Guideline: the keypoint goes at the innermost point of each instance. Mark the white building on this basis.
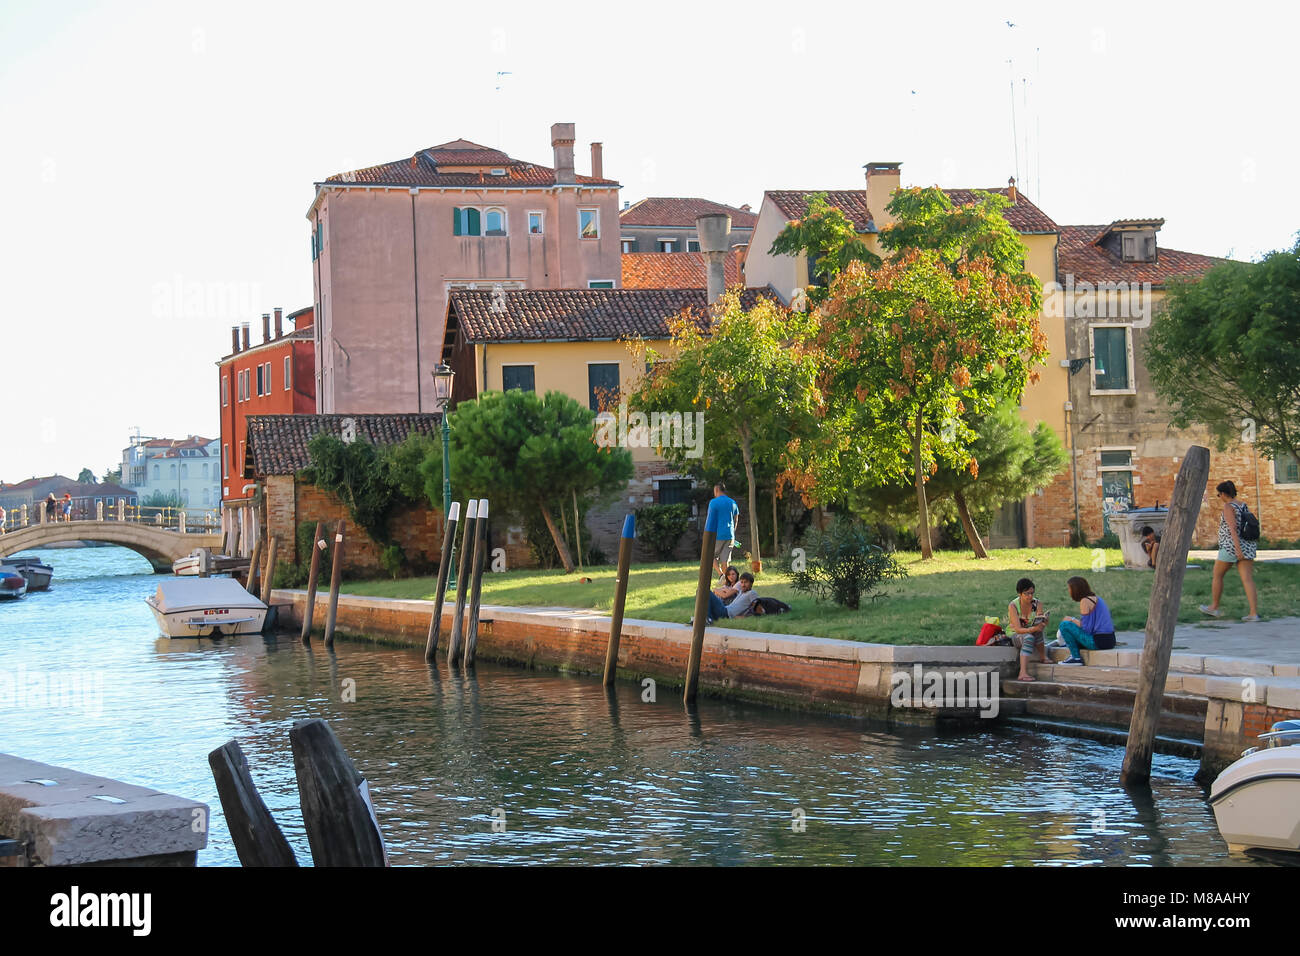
(187, 469)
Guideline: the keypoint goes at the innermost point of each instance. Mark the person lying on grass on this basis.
(1026, 617)
(1094, 630)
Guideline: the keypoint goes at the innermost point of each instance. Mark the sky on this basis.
(160, 157)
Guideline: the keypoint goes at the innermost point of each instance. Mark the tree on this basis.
(162, 499)
(1224, 352)
(753, 375)
(945, 327)
(527, 454)
(827, 237)
(113, 475)
(86, 477)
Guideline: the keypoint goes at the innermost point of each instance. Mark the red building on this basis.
(275, 377)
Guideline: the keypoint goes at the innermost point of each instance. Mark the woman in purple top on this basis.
(1093, 630)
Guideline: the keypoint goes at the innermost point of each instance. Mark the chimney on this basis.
(562, 138)
(234, 339)
(627, 203)
(598, 160)
(1011, 190)
(713, 230)
(279, 322)
(266, 327)
(882, 180)
(245, 336)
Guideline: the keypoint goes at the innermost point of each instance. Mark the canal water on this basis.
(515, 766)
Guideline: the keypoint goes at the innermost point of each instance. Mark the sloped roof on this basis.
(682, 211)
(1023, 215)
(1078, 255)
(579, 315)
(677, 270)
(425, 169)
(277, 444)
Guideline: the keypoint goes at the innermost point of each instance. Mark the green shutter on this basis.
(455, 221)
(471, 222)
(1110, 357)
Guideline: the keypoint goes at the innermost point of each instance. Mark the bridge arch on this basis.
(158, 546)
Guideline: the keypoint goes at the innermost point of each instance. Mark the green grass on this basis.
(942, 601)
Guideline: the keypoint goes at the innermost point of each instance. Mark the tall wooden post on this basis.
(268, 575)
(620, 598)
(577, 530)
(309, 609)
(336, 577)
(712, 525)
(462, 582)
(234, 538)
(1162, 614)
(254, 566)
(257, 837)
(476, 595)
(444, 572)
(336, 812)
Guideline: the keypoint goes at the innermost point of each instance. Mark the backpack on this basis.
(772, 605)
(1247, 525)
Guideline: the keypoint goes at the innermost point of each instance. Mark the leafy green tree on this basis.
(113, 475)
(527, 455)
(162, 499)
(945, 327)
(86, 477)
(753, 375)
(1224, 352)
(372, 481)
(827, 237)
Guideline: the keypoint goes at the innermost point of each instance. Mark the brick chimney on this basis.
(245, 336)
(234, 339)
(882, 180)
(266, 327)
(1012, 194)
(597, 160)
(279, 322)
(714, 230)
(562, 139)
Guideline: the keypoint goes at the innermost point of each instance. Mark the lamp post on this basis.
(443, 376)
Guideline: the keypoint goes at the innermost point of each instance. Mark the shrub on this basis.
(393, 558)
(294, 575)
(661, 527)
(844, 564)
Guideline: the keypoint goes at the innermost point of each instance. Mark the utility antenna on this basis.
(1038, 131)
(1015, 139)
(501, 135)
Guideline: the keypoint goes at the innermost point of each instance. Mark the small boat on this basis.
(191, 565)
(37, 573)
(1256, 800)
(12, 584)
(206, 607)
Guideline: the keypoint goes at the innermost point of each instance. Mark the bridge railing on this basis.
(166, 518)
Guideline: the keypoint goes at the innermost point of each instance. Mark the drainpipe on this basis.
(415, 268)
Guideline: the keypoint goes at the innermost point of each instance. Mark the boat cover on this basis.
(187, 594)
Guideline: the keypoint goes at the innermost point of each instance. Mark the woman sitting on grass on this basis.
(1094, 630)
(728, 585)
(1026, 618)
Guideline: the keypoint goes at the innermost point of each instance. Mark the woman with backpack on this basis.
(1233, 549)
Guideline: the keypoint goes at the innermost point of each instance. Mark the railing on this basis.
(163, 518)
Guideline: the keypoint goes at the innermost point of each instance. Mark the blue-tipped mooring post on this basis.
(620, 598)
(712, 523)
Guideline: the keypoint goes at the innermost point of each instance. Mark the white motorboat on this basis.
(206, 607)
(191, 565)
(1256, 800)
(37, 573)
(12, 584)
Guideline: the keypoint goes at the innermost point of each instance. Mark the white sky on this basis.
(156, 147)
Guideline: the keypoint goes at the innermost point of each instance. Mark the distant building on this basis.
(276, 376)
(678, 270)
(85, 497)
(186, 468)
(390, 242)
(667, 224)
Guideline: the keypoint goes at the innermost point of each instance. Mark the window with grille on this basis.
(675, 491)
(518, 376)
(1286, 470)
(1110, 358)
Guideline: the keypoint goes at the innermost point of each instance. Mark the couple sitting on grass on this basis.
(1093, 629)
(734, 596)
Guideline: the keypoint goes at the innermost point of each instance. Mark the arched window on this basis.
(496, 222)
(185, 496)
(205, 467)
(171, 472)
(185, 470)
(155, 472)
(207, 499)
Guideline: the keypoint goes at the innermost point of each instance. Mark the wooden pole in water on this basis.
(712, 523)
(250, 582)
(309, 609)
(234, 538)
(268, 575)
(454, 649)
(257, 837)
(620, 598)
(480, 549)
(336, 813)
(336, 577)
(1162, 614)
(444, 572)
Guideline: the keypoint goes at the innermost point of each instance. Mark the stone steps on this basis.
(1164, 744)
(1182, 716)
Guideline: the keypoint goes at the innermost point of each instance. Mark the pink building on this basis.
(390, 242)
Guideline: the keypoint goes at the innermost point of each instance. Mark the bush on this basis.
(1108, 540)
(661, 527)
(294, 575)
(393, 559)
(843, 563)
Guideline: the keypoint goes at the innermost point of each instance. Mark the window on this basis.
(602, 384)
(286, 373)
(692, 245)
(205, 469)
(207, 496)
(1116, 459)
(522, 377)
(1111, 363)
(535, 224)
(629, 245)
(225, 390)
(185, 496)
(1286, 470)
(465, 222)
(675, 491)
(185, 470)
(156, 475)
(667, 245)
(268, 378)
(496, 223)
(225, 461)
(600, 283)
(589, 223)
(259, 380)
(171, 472)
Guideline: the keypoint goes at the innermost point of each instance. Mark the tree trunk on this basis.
(747, 454)
(565, 558)
(972, 533)
(776, 527)
(922, 511)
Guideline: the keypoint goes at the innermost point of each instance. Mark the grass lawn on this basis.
(942, 601)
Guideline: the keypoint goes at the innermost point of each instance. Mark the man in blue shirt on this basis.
(727, 532)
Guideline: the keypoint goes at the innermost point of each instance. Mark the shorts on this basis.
(1229, 556)
(722, 553)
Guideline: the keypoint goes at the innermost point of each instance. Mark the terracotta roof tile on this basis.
(277, 444)
(424, 169)
(1080, 257)
(1024, 216)
(677, 270)
(579, 315)
(678, 211)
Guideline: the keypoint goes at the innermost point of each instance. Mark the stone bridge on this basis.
(158, 545)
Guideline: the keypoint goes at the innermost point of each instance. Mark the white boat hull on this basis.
(209, 622)
(1256, 801)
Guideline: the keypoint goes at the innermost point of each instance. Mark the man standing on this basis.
(727, 532)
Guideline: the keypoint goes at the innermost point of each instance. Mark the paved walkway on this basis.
(1276, 641)
(1284, 557)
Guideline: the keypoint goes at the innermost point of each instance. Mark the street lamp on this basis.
(443, 376)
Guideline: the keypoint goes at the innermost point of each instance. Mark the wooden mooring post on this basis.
(476, 595)
(336, 578)
(250, 581)
(309, 609)
(336, 813)
(1162, 614)
(454, 649)
(444, 572)
(712, 523)
(620, 598)
(257, 837)
(268, 574)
